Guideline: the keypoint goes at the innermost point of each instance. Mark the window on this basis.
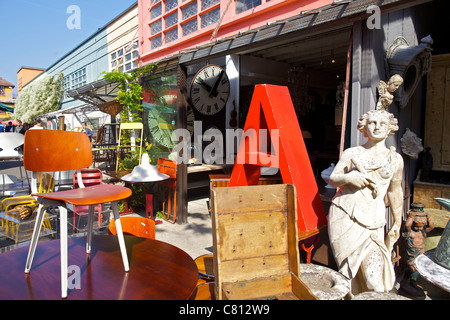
(244, 5)
(156, 11)
(75, 80)
(209, 3)
(189, 27)
(156, 27)
(126, 56)
(189, 10)
(156, 42)
(170, 4)
(210, 17)
(172, 19)
(171, 35)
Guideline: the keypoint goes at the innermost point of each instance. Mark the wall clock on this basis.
(210, 89)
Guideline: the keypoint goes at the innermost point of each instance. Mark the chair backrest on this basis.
(89, 177)
(135, 226)
(54, 150)
(130, 126)
(8, 142)
(167, 166)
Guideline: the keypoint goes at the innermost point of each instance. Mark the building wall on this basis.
(25, 75)
(178, 25)
(82, 65)
(122, 39)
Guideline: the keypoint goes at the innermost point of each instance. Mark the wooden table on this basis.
(158, 271)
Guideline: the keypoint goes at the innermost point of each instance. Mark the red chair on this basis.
(54, 150)
(90, 177)
(168, 167)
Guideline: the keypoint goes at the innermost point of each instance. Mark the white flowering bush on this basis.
(42, 96)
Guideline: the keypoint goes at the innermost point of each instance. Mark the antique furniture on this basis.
(52, 150)
(255, 243)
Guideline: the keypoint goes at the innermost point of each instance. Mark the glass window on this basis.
(160, 113)
(172, 19)
(210, 17)
(243, 5)
(156, 27)
(208, 3)
(189, 10)
(155, 12)
(189, 27)
(170, 4)
(156, 42)
(171, 35)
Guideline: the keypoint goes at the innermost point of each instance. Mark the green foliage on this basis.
(130, 92)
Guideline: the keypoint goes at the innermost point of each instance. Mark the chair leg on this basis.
(35, 237)
(89, 230)
(63, 250)
(120, 237)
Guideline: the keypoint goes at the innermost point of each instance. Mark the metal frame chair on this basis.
(129, 126)
(52, 150)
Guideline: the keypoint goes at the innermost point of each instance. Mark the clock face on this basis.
(161, 124)
(210, 89)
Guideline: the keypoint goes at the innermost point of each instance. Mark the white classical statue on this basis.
(386, 91)
(363, 176)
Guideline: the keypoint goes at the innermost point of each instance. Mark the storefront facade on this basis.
(331, 58)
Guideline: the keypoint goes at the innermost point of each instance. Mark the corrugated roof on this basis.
(340, 12)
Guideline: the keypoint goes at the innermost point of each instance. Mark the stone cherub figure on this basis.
(386, 91)
(363, 176)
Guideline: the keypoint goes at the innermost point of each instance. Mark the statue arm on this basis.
(395, 197)
(344, 174)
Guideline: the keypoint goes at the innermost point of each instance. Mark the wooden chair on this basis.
(52, 150)
(135, 226)
(90, 177)
(168, 167)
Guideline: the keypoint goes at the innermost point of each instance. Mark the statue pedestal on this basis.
(324, 283)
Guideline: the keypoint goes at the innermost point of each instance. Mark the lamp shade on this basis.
(145, 172)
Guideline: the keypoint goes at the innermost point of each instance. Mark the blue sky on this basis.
(35, 33)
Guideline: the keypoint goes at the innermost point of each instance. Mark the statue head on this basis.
(389, 117)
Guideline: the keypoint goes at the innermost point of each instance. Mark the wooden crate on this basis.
(255, 244)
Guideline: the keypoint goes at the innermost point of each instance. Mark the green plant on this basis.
(130, 91)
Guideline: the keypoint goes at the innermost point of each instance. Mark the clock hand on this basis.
(214, 88)
(205, 85)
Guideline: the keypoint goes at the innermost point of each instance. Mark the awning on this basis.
(96, 93)
(338, 14)
(6, 108)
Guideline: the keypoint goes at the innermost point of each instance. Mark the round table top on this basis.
(158, 271)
